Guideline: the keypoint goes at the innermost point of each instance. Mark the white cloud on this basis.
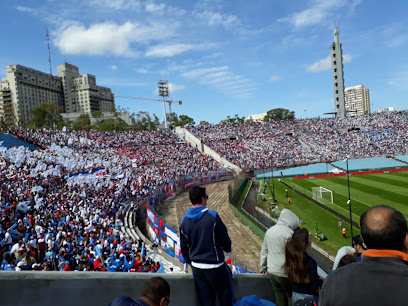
(325, 64)
(198, 73)
(27, 10)
(114, 67)
(319, 11)
(142, 70)
(169, 50)
(175, 87)
(216, 19)
(117, 4)
(275, 78)
(400, 79)
(108, 37)
(155, 8)
(223, 79)
(394, 35)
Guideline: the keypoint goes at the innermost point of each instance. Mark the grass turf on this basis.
(311, 214)
(365, 191)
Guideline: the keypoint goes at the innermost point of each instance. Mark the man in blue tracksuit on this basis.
(203, 241)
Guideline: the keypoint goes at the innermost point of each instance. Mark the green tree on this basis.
(46, 115)
(142, 121)
(97, 115)
(184, 120)
(83, 122)
(202, 122)
(279, 114)
(113, 124)
(235, 119)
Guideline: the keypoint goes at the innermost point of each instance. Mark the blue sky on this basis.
(220, 57)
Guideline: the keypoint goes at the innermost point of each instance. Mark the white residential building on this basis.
(256, 117)
(81, 94)
(24, 88)
(357, 100)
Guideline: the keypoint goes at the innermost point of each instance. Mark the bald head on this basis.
(378, 218)
(383, 227)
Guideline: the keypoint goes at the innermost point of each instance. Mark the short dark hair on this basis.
(155, 289)
(196, 195)
(345, 260)
(358, 241)
(389, 235)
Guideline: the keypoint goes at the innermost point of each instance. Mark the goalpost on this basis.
(322, 195)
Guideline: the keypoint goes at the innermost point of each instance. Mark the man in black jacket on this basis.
(381, 276)
(203, 241)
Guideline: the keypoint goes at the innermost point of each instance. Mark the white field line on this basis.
(338, 204)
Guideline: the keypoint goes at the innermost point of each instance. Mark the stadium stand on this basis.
(70, 204)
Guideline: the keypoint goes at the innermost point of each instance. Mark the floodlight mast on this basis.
(163, 87)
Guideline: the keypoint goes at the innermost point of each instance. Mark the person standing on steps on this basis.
(203, 241)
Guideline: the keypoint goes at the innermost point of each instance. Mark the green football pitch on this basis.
(365, 191)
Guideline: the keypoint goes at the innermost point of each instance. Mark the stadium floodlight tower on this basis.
(163, 86)
(338, 76)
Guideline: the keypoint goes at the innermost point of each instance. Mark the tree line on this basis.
(48, 116)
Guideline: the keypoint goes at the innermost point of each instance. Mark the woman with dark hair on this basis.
(301, 268)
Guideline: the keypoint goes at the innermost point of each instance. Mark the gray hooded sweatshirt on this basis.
(273, 247)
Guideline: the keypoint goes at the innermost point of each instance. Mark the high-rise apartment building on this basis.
(338, 76)
(357, 100)
(81, 94)
(24, 88)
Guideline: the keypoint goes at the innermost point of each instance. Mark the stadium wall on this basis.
(196, 143)
(350, 173)
(100, 288)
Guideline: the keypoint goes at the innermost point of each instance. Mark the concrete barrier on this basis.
(100, 288)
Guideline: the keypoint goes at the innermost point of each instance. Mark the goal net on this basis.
(322, 195)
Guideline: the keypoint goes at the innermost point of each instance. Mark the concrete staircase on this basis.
(132, 232)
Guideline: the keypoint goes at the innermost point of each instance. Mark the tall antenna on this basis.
(49, 51)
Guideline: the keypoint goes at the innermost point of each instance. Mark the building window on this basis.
(337, 99)
(334, 63)
(335, 69)
(334, 54)
(338, 105)
(335, 77)
(336, 84)
(337, 91)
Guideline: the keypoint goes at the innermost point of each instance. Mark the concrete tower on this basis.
(338, 76)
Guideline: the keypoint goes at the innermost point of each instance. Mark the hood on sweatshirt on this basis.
(288, 218)
(195, 213)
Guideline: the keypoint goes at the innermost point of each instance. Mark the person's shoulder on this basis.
(310, 260)
(348, 271)
(128, 301)
(212, 213)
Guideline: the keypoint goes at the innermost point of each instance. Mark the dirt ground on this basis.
(246, 245)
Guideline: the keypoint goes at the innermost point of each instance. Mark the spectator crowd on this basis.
(257, 145)
(62, 208)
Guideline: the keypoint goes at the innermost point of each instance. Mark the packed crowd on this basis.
(62, 207)
(257, 145)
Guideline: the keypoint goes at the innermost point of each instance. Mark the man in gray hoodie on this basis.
(273, 255)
